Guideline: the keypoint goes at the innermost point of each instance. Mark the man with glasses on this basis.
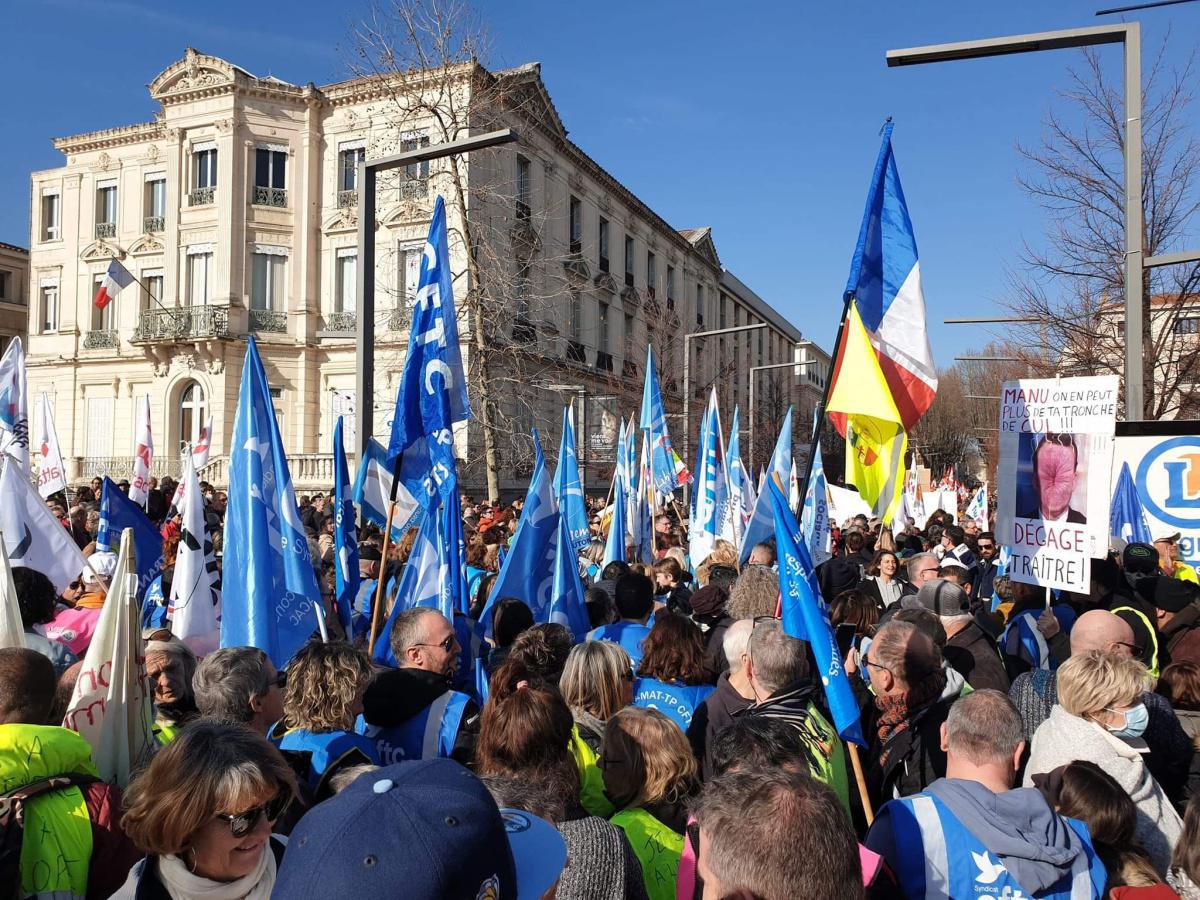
(985, 569)
(413, 712)
(1036, 691)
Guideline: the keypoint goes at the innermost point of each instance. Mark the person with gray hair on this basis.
(778, 673)
(921, 568)
(239, 686)
(971, 827)
(170, 666)
(968, 649)
(732, 695)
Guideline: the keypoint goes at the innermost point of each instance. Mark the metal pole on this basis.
(687, 377)
(754, 370)
(582, 449)
(1135, 340)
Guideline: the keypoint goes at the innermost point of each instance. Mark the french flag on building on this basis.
(885, 279)
(115, 278)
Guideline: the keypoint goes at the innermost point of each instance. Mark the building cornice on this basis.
(111, 137)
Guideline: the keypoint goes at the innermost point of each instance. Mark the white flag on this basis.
(52, 475)
(193, 610)
(111, 705)
(12, 629)
(793, 488)
(977, 509)
(33, 537)
(203, 445)
(143, 454)
(14, 411)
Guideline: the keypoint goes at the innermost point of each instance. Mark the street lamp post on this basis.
(687, 374)
(368, 169)
(754, 370)
(581, 439)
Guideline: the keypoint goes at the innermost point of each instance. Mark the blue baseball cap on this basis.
(424, 830)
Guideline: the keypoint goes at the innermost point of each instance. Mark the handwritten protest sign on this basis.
(1056, 446)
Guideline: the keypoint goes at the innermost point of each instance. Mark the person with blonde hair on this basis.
(1100, 718)
(649, 775)
(596, 683)
(203, 811)
(322, 700)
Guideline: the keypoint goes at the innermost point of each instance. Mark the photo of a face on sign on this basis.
(1052, 477)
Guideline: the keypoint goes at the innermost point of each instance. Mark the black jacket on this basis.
(712, 717)
(915, 755)
(975, 657)
(841, 573)
(395, 696)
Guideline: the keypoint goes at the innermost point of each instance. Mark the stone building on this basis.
(14, 293)
(235, 208)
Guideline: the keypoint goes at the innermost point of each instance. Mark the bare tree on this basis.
(1074, 287)
(423, 61)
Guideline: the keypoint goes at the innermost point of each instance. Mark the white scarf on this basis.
(181, 884)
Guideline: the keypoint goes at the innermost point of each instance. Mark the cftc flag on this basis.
(143, 454)
(668, 470)
(14, 412)
(432, 395)
(1127, 520)
(345, 540)
(614, 544)
(269, 597)
(711, 488)
(373, 491)
(195, 603)
(814, 518)
(805, 616)
(118, 512)
(110, 705)
(862, 408)
(567, 487)
(33, 537)
(740, 492)
(52, 475)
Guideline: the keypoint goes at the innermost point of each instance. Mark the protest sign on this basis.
(1164, 458)
(1056, 445)
(846, 504)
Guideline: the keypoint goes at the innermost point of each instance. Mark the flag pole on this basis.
(377, 605)
(856, 764)
(819, 430)
(141, 284)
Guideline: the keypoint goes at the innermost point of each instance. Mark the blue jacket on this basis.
(326, 752)
(628, 634)
(678, 702)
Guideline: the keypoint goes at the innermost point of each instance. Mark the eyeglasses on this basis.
(245, 822)
(447, 644)
(281, 679)
(1134, 650)
(983, 546)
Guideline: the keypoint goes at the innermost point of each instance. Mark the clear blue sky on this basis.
(759, 119)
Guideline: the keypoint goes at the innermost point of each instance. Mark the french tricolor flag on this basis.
(115, 278)
(885, 279)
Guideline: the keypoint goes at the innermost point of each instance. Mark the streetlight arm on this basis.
(1005, 46)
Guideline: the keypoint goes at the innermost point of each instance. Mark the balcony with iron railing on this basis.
(269, 196)
(399, 319)
(153, 224)
(344, 322)
(106, 230)
(202, 196)
(267, 320)
(414, 188)
(183, 323)
(101, 339)
(347, 199)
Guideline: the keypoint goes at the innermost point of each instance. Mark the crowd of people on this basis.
(1017, 745)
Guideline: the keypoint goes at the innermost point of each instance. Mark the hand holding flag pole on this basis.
(377, 604)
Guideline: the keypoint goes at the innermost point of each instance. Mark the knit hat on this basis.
(944, 598)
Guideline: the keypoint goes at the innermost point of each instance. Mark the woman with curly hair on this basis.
(322, 700)
(671, 676)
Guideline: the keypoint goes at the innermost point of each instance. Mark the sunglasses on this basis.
(281, 679)
(243, 823)
(446, 644)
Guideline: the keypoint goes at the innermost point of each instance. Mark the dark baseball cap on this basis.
(944, 598)
(1140, 559)
(423, 830)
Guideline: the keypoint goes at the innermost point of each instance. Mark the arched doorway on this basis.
(193, 412)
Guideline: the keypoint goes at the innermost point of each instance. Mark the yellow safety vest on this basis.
(165, 733)
(1152, 662)
(591, 781)
(657, 848)
(1184, 572)
(56, 850)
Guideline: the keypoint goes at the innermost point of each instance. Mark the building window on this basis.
(576, 225)
(628, 261)
(49, 311)
(346, 299)
(7, 285)
(266, 285)
(193, 409)
(99, 435)
(651, 273)
(270, 176)
(414, 182)
(51, 209)
(524, 189)
(1186, 325)
(409, 274)
(700, 306)
(277, 405)
(106, 210)
(603, 244)
(602, 328)
(153, 293)
(670, 287)
(154, 202)
(199, 278)
(204, 168)
(348, 161)
(721, 314)
(629, 326)
(576, 325)
(524, 288)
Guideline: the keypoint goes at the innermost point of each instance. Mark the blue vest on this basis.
(326, 749)
(628, 634)
(937, 857)
(677, 702)
(430, 734)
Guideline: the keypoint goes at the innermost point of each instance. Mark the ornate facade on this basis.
(14, 293)
(235, 208)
